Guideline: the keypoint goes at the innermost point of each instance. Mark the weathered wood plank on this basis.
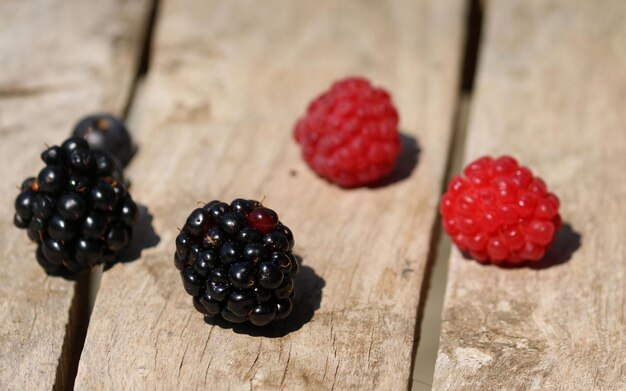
(551, 90)
(227, 83)
(58, 61)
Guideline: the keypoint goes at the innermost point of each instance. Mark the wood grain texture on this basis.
(59, 60)
(551, 91)
(227, 82)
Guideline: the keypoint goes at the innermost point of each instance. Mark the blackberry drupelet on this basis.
(236, 261)
(75, 210)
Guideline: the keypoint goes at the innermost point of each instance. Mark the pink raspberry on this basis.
(349, 134)
(499, 212)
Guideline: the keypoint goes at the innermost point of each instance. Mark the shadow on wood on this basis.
(405, 164)
(566, 242)
(144, 236)
(63, 273)
(306, 301)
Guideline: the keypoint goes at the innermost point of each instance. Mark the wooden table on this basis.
(211, 90)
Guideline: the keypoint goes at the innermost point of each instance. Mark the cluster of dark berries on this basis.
(236, 261)
(77, 209)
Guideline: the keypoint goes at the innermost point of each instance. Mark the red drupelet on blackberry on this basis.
(499, 212)
(236, 261)
(76, 210)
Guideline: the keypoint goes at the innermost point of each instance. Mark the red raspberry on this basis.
(499, 212)
(349, 134)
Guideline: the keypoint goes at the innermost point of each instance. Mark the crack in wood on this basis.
(439, 251)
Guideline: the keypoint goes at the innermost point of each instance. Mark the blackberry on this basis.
(75, 210)
(107, 133)
(236, 262)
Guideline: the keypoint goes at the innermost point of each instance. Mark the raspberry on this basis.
(499, 212)
(236, 261)
(349, 134)
(76, 210)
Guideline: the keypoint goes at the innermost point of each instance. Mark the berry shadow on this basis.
(66, 274)
(144, 236)
(405, 163)
(306, 301)
(565, 243)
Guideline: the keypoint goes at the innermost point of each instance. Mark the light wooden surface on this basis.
(227, 82)
(551, 90)
(59, 60)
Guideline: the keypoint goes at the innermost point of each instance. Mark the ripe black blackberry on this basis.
(236, 261)
(76, 210)
(105, 132)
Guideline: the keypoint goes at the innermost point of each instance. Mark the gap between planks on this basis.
(435, 283)
(434, 287)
